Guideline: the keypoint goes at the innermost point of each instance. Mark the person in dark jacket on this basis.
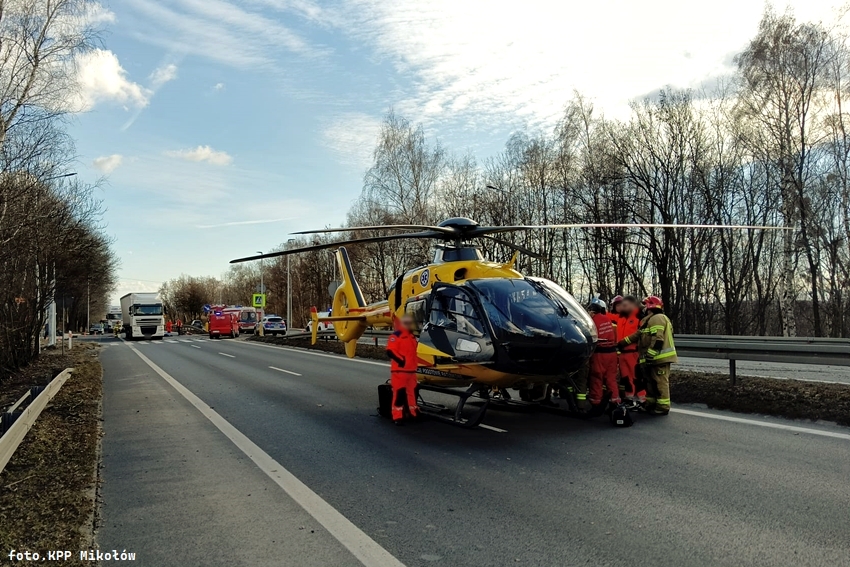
(401, 348)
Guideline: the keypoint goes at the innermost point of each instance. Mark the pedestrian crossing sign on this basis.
(258, 300)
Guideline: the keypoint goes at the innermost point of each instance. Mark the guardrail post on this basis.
(733, 371)
(376, 341)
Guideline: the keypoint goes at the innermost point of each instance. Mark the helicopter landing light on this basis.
(467, 346)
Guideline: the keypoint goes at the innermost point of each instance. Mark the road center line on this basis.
(184, 341)
(224, 354)
(194, 346)
(364, 548)
(764, 424)
(282, 370)
(491, 428)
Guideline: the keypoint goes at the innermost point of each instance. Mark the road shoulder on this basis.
(177, 492)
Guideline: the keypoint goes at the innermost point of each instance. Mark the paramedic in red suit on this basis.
(401, 348)
(603, 363)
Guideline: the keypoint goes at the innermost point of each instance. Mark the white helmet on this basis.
(598, 305)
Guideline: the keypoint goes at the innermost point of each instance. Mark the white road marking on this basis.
(764, 424)
(282, 370)
(194, 346)
(364, 548)
(314, 353)
(491, 428)
(184, 341)
(224, 354)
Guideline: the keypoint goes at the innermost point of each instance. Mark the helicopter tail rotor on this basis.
(348, 306)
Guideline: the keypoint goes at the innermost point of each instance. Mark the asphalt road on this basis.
(681, 490)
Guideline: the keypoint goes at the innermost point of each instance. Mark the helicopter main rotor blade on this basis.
(483, 230)
(423, 234)
(517, 247)
(442, 229)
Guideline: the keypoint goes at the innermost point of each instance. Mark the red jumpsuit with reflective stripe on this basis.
(627, 325)
(603, 363)
(401, 348)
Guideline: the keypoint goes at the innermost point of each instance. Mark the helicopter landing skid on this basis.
(567, 406)
(456, 417)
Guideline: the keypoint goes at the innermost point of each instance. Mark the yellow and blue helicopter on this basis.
(482, 325)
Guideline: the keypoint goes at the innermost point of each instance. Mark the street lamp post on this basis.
(51, 309)
(259, 324)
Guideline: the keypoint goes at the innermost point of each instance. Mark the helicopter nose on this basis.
(576, 346)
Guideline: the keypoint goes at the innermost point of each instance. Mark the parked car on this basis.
(273, 325)
(96, 329)
(323, 325)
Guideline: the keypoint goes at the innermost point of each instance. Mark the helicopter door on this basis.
(456, 326)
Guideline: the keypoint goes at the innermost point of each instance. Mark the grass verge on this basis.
(47, 490)
(792, 399)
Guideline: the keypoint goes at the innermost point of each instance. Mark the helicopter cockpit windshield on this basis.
(568, 302)
(517, 307)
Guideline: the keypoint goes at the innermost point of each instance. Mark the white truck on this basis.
(113, 317)
(141, 315)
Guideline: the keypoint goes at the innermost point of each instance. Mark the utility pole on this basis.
(262, 286)
(259, 326)
(88, 305)
(288, 289)
(288, 295)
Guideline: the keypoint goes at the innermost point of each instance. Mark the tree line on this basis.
(770, 146)
(52, 246)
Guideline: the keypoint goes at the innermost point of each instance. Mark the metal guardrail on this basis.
(18, 424)
(783, 350)
(787, 350)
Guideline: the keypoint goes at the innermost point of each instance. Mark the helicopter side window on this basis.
(416, 309)
(451, 310)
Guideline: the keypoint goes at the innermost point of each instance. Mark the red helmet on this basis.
(617, 299)
(653, 302)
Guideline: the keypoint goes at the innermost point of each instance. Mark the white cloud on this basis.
(218, 87)
(242, 223)
(352, 136)
(95, 14)
(108, 164)
(221, 30)
(202, 153)
(102, 78)
(497, 60)
(162, 75)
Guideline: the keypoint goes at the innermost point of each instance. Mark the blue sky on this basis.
(220, 126)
